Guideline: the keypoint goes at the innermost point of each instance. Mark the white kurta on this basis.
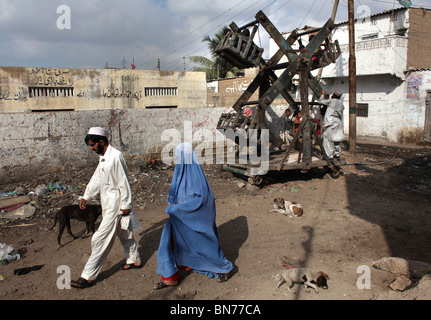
(333, 131)
(333, 120)
(111, 183)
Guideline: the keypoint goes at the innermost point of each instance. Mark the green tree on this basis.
(218, 67)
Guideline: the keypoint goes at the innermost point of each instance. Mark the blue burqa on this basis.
(191, 224)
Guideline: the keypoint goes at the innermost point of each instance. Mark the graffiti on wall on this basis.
(51, 77)
(238, 86)
(9, 96)
(121, 93)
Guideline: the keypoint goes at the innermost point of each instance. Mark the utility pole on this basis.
(352, 79)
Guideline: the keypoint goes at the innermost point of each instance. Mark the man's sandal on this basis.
(81, 283)
(129, 266)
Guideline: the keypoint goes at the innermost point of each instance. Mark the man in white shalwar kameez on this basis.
(333, 131)
(109, 182)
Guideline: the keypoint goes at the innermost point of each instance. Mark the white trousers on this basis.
(287, 137)
(331, 148)
(102, 242)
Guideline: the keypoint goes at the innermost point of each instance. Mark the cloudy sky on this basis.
(39, 33)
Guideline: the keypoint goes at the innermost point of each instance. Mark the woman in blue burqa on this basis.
(190, 240)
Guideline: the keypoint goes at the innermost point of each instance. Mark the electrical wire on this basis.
(390, 42)
(199, 28)
(371, 164)
(176, 50)
(413, 5)
(307, 13)
(252, 17)
(201, 36)
(244, 21)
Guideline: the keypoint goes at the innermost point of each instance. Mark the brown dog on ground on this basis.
(89, 215)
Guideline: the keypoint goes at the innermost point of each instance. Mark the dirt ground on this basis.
(379, 207)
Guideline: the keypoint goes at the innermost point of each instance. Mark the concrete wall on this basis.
(384, 95)
(33, 143)
(34, 89)
(225, 92)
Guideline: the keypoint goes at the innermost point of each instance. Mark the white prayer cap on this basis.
(338, 93)
(98, 131)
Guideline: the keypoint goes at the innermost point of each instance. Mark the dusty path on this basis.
(371, 211)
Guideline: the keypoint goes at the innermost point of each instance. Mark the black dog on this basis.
(89, 215)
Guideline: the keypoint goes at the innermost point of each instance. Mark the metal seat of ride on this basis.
(239, 50)
(234, 121)
(326, 55)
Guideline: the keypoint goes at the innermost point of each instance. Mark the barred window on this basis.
(362, 110)
(160, 91)
(50, 92)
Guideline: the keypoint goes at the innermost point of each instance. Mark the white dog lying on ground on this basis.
(307, 276)
(288, 208)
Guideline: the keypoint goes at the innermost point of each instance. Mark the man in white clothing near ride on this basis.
(111, 183)
(333, 132)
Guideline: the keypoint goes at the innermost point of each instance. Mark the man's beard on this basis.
(99, 149)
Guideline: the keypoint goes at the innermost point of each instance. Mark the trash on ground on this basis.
(26, 270)
(294, 189)
(8, 254)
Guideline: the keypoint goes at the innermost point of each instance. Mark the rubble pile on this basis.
(40, 197)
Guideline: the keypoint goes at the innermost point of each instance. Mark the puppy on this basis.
(89, 215)
(288, 208)
(307, 276)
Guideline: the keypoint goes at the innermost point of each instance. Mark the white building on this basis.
(393, 68)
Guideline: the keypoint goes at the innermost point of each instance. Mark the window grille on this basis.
(362, 110)
(34, 92)
(161, 92)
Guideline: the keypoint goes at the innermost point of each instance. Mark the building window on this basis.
(161, 92)
(362, 110)
(34, 92)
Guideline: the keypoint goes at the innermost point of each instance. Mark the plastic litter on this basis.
(294, 189)
(130, 222)
(8, 254)
(41, 190)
